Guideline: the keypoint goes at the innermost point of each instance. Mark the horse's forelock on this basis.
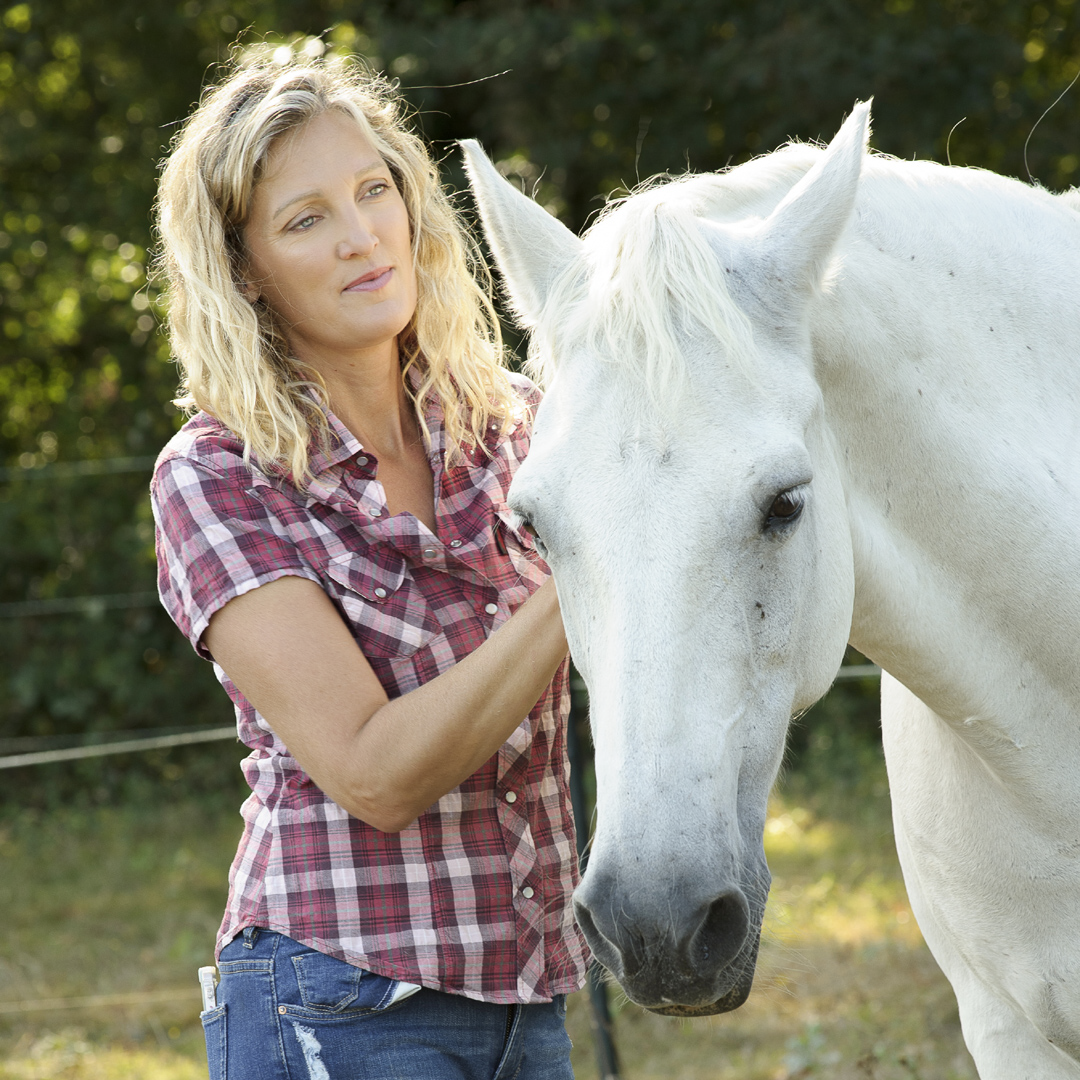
(649, 279)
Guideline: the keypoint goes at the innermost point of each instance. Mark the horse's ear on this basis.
(531, 247)
(800, 234)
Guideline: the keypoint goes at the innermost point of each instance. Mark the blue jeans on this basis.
(287, 1012)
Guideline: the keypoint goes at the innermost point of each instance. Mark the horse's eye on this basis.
(527, 526)
(786, 508)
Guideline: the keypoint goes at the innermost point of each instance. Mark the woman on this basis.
(333, 535)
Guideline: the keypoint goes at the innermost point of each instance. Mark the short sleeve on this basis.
(216, 539)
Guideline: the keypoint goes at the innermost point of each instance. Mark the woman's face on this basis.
(328, 243)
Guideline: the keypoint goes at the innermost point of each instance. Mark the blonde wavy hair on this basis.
(234, 355)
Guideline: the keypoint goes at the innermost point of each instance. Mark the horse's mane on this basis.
(649, 276)
(1071, 198)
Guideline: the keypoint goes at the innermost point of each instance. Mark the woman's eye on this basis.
(304, 223)
(786, 508)
(377, 189)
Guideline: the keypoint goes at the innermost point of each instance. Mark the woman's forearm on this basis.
(417, 747)
(287, 649)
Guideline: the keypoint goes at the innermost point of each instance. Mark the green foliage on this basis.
(834, 759)
(580, 98)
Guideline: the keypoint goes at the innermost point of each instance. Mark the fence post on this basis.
(603, 1036)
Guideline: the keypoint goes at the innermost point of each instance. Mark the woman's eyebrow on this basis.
(316, 193)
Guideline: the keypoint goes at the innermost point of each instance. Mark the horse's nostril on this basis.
(723, 931)
(600, 938)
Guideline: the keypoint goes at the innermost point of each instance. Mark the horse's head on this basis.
(684, 488)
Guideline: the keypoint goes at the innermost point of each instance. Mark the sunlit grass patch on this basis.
(828, 887)
(68, 1055)
(111, 902)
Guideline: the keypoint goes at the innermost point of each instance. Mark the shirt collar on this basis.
(342, 444)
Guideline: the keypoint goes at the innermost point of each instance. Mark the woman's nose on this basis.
(357, 238)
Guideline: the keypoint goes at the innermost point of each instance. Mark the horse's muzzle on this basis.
(672, 954)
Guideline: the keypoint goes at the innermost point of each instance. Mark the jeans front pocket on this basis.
(217, 1047)
(331, 986)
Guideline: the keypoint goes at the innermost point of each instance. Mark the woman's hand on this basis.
(287, 649)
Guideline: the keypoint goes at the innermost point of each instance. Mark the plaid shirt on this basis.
(473, 898)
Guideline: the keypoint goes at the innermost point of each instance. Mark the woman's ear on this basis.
(249, 292)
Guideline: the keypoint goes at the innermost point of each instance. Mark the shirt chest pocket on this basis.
(386, 611)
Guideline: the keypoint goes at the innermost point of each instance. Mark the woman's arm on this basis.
(287, 649)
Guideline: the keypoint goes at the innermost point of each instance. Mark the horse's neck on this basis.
(952, 388)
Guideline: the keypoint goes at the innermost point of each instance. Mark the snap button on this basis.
(380, 592)
(455, 543)
(362, 459)
(430, 553)
(511, 797)
(492, 609)
(527, 892)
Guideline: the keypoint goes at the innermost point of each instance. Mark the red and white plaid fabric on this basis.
(473, 898)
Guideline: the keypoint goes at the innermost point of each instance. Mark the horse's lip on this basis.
(723, 1005)
(728, 1000)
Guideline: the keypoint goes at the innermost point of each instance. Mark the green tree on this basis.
(576, 98)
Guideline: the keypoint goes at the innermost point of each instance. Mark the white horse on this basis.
(822, 397)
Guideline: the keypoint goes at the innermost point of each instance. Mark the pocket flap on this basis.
(374, 580)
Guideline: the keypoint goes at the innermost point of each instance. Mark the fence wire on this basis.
(127, 746)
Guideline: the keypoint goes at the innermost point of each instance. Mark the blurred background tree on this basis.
(576, 99)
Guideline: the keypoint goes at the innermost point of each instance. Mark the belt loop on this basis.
(251, 935)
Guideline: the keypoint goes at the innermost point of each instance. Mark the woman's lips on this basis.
(376, 279)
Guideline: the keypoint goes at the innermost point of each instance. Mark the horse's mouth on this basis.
(660, 990)
(730, 1001)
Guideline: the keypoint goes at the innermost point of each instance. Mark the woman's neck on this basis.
(368, 396)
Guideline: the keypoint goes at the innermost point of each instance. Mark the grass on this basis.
(125, 902)
(110, 902)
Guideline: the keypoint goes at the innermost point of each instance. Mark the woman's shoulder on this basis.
(529, 393)
(205, 442)
(511, 445)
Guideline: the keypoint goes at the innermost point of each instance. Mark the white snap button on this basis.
(511, 796)
(380, 593)
(527, 892)
(455, 543)
(430, 553)
(362, 460)
(492, 609)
